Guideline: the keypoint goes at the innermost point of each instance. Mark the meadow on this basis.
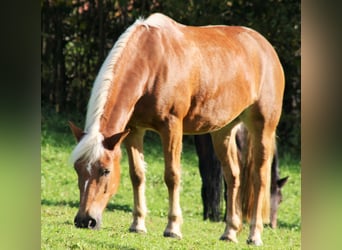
(60, 197)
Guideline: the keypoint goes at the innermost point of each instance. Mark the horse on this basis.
(211, 176)
(175, 79)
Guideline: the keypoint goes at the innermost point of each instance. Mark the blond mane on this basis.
(90, 148)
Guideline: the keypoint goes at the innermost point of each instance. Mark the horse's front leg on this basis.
(134, 146)
(172, 146)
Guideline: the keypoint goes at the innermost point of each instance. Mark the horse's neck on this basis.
(115, 117)
(131, 75)
(119, 107)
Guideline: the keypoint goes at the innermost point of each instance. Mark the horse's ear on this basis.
(78, 133)
(282, 182)
(110, 142)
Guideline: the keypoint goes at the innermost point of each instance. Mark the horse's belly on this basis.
(205, 122)
(201, 126)
(201, 116)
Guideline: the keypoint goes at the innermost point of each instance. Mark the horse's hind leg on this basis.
(226, 151)
(262, 143)
(134, 146)
(211, 174)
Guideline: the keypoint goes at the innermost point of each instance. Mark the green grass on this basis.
(60, 197)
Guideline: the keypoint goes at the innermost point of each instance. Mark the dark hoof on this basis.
(139, 231)
(172, 235)
(254, 242)
(226, 238)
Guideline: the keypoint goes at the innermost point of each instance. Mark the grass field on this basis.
(60, 197)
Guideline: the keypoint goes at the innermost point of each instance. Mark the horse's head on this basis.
(276, 199)
(98, 178)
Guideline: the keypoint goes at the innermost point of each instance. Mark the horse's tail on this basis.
(247, 180)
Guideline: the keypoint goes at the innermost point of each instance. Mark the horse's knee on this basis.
(137, 177)
(172, 178)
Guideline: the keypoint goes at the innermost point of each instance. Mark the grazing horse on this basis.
(211, 175)
(175, 79)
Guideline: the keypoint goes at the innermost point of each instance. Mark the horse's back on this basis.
(208, 75)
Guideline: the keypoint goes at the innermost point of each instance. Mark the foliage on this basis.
(77, 35)
(60, 197)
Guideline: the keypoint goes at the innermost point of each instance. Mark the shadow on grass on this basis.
(293, 226)
(111, 207)
(114, 246)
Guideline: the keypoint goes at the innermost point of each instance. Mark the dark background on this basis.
(77, 35)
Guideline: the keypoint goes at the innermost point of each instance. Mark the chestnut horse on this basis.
(175, 79)
(211, 175)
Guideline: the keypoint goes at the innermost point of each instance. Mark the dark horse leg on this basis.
(211, 174)
(276, 186)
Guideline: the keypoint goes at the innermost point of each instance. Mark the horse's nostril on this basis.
(91, 223)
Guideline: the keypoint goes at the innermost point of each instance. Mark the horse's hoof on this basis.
(257, 242)
(136, 230)
(172, 235)
(230, 239)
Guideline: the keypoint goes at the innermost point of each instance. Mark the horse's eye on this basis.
(104, 171)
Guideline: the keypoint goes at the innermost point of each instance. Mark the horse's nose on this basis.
(85, 222)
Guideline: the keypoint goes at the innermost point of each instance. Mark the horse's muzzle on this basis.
(87, 222)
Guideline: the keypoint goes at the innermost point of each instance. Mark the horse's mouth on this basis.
(87, 222)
